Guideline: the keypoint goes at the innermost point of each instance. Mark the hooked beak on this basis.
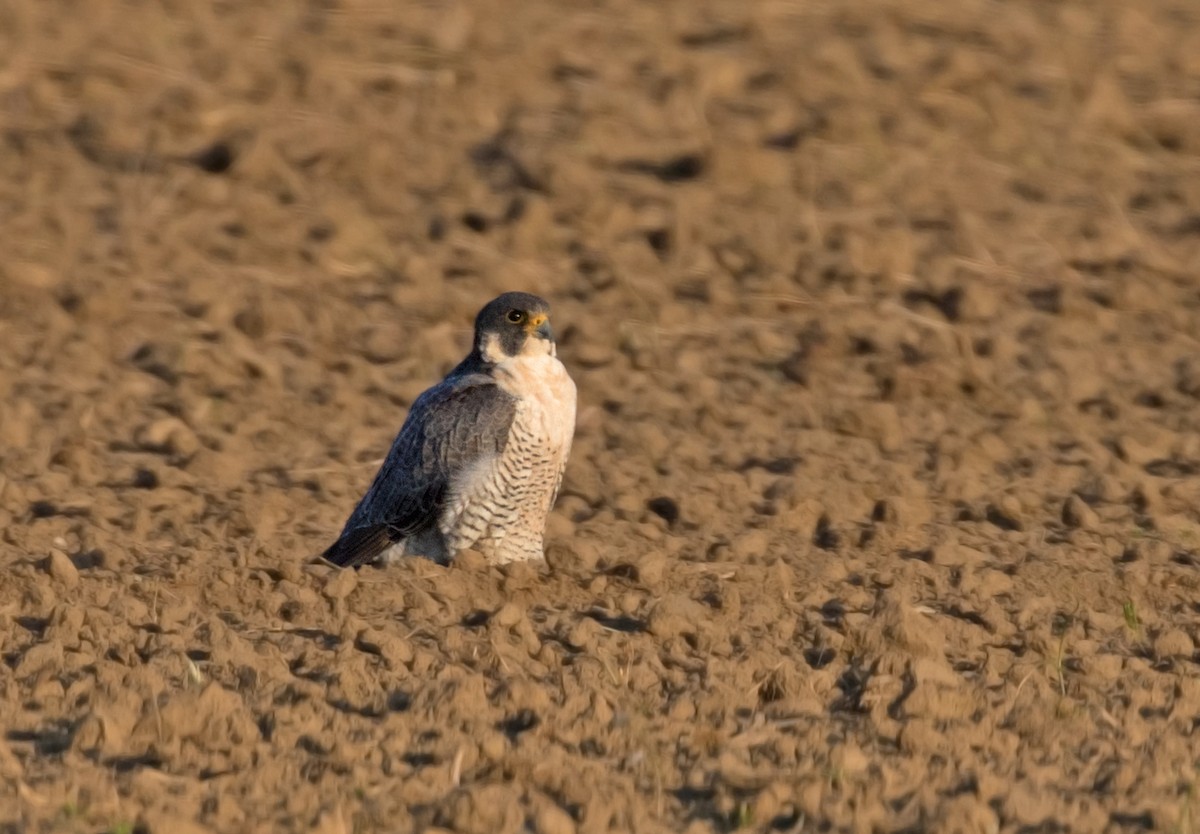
(539, 326)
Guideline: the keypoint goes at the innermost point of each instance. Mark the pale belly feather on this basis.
(506, 518)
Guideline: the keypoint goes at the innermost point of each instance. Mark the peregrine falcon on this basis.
(479, 461)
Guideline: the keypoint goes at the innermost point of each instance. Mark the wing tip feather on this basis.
(357, 547)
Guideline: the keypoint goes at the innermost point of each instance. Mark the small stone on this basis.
(470, 561)
(627, 507)
(850, 760)
(169, 435)
(551, 819)
(559, 556)
(651, 567)
(559, 528)
(382, 345)
(66, 625)
(48, 688)
(493, 747)
(508, 615)
(682, 709)
(296, 592)
(629, 603)
(39, 658)
(1117, 548)
(884, 426)
(738, 773)
(649, 531)
(331, 821)
(808, 798)
(980, 302)
(1006, 514)
(1147, 498)
(584, 634)
(751, 545)
(992, 447)
(677, 615)
(33, 275)
(60, 567)
(1150, 445)
(592, 353)
(1174, 642)
(1076, 513)
(1084, 383)
(1173, 124)
(586, 554)
(1032, 411)
(391, 647)
(340, 585)
(955, 555)
(1105, 666)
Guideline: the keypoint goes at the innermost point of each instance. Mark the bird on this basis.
(479, 460)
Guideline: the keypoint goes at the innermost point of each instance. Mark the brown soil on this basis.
(884, 511)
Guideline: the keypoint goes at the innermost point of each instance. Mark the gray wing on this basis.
(450, 428)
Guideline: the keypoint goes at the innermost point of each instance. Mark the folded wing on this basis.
(449, 431)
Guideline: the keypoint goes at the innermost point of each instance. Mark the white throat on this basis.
(494, 354)
(540, 382)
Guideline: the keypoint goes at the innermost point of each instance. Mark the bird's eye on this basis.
(516, 316)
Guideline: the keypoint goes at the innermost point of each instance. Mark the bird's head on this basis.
(514, 324)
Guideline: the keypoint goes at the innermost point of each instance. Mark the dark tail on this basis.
(359, 546)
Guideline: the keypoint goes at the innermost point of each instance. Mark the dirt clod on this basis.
(60, 567)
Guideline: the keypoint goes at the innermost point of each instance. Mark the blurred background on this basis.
(886, 306)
